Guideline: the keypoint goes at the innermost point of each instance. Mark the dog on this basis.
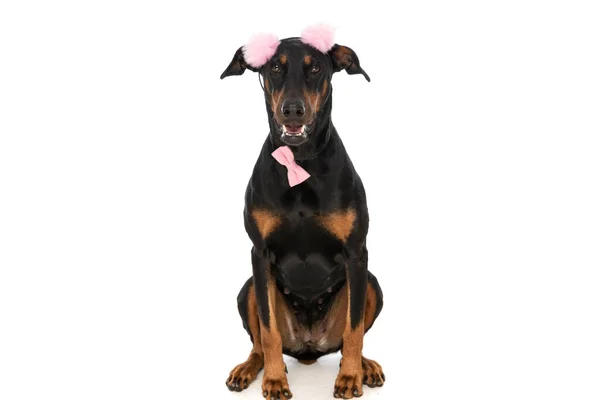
(306, 214)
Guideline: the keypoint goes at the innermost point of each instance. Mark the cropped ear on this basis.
(344, 57)
(238, 65)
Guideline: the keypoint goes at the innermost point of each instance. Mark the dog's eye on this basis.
(315, 69)
(276, 68)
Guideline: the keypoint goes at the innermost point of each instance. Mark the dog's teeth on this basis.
(302, 130)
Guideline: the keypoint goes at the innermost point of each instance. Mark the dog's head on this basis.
(297, 76)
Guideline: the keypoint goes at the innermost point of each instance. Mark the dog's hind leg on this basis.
(242, 375)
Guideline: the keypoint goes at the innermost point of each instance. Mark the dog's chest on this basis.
(305, 232)
(307, 244)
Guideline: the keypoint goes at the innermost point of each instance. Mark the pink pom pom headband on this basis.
(320, 36)
(260, 48)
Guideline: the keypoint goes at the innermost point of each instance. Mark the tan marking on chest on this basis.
(266, 222)
(339, 223)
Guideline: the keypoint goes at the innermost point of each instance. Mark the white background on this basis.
(124, 160)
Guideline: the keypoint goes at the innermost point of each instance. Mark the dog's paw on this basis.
(372, 373)
(276, 387)
(349, 380)
(242, 375)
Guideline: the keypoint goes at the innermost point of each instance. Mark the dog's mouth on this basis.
(294, 130)
(294, 134)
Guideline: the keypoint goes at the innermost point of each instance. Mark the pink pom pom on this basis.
(319, 36)
(260, 48)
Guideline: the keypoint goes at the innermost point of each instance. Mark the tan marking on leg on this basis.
(354, 368)
(370, 306)
(253, 319)
(339, 223)
(349, 379)
(274, 379)
(266, 221)
(271, 337)
(243, 374)
(353, 339)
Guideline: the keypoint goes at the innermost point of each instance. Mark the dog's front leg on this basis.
(274, 384)
(350, 378)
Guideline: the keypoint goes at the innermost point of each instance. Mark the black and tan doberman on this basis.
(310, 293)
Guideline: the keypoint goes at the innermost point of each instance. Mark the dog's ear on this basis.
(344, 57)
(238, 65)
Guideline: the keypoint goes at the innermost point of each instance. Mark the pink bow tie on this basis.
(285, 157)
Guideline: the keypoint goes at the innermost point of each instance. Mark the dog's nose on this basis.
(293, 108)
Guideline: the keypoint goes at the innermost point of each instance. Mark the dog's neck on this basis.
(318, 138)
